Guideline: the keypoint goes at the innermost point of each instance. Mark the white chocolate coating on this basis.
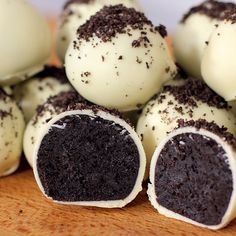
(34, 92)
(79, 14)
(106, 204)
(219, 64)
(34, 128)
(121, 85)
(11, 134)
(160, 118)
(230, 214)
(190, 42)
(25, 41)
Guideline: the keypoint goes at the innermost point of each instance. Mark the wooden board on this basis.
(24, 211)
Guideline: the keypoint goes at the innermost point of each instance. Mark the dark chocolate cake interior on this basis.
(88, 159)
(193, 178)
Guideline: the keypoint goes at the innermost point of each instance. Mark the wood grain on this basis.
(24, 211)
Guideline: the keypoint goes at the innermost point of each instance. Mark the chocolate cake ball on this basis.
(35, 91)
(11, 134)
(118, 59)
(25, 41)
(193, 33)
(187, 99)
(75, 13)
(89, 157)
(193, 175)
(53, 106)
(218, 63)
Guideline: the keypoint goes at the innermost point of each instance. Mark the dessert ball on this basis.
(218, 63)
(53, 106)
(11, 134)
(194, 31)
(25, 41)
(193, 175)
(35, 91)
(72, 167)
(118, 59)
(77, 12)
(192, 100)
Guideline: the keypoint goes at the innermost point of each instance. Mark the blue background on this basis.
(166, 12)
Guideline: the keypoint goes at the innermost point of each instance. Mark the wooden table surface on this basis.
(24, 211)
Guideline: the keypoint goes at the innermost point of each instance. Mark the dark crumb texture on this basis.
(54, 72)
(70, 101)
(162, 30)
(193, 179)
(5, 98)
(91, 159)
(230, 15)
(211, 8)
(70, 2)
(4, 114)
(112, 20)
(212, 127)
(64, 101)
(181, 73)
(196, 90)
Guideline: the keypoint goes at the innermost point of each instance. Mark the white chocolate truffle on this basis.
(193, 175)
(106, 171)
(193, 34)
(53, 106)
(219, 59)
(76, 13)
(25, 41)
(191, 101)
(35, 91)
(119, 59)
(11, 134)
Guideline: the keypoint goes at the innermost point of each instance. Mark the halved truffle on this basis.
(181, 99)
(89, 157)
(55, 105)
(193, 175)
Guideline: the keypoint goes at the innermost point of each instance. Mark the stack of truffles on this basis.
(75, 124)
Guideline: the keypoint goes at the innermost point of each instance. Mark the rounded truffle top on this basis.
(211, 8)
(69, 101)
(211, 127)
(59, 103)
(195, 90)
(53, 72)
(70, 2)
(113, 20)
